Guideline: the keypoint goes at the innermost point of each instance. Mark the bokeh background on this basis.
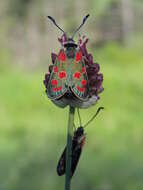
(33, 130)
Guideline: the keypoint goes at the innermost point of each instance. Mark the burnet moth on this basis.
(69, 72)
(78, 142)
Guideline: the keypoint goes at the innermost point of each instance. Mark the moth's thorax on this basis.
(79, 132)
(70, 52)
(70, 48)
(79, 136)
(81, 140)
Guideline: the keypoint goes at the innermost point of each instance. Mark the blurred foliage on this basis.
(33, 130)
(32, 133)
(18, 8)
(99, 7)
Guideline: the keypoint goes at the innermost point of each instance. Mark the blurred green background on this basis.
(33, 130)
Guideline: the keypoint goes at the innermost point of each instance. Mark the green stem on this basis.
(69, 147)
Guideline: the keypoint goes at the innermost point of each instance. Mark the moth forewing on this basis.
(77, 144)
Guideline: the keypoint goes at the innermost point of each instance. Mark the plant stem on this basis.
(69, 147)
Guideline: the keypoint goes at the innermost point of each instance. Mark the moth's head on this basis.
(79, 132)
(70, 43)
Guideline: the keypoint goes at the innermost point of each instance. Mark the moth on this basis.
(78, 142)
(69, 75)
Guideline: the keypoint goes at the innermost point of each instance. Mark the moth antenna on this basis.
(84, 20)
(93, 117)
(79, 117)
(54, 22)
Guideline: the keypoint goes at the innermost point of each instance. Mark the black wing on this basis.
(76, 152)
(61, 167)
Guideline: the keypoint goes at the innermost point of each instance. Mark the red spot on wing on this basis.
(59, 88)
(54, 82)
(62, 74)
(81, 89)
(77, 75)
(83, 82)
(56, 89)
(78, 56)
(83, 70)
(62, 56)
(55, 69)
